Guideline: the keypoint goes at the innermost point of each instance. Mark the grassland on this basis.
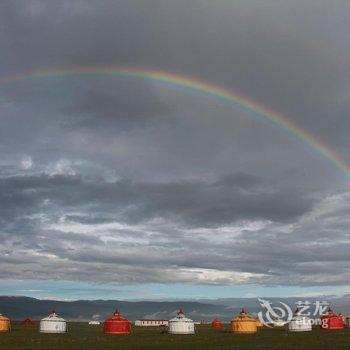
(84, 337)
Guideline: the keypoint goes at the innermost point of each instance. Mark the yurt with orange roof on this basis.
(331, 321)
(243, 323)
(216, 323)
(116, 324)
(5, 324)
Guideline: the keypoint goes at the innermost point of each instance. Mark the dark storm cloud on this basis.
(273, 254)
(110, 179)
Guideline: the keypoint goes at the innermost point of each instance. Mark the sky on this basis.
(128, 188)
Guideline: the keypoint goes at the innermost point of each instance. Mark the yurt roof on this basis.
(216, 320)
(243, 316)
(117, 317)
(180, 317)
(53, 317)
(216, 323)
(3, 318)
(27, 320)
(330, 314)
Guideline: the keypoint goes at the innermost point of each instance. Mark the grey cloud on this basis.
(278, 253)
(196, 203)
(286, 62)
(134, 181)
(282, 60)
(239, 180)
(112, 108)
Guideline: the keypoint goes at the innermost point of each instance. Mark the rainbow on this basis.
(197, 86)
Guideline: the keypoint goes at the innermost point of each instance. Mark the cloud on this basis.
(78, 225)
(198, 203)
(106, 109)
(104, 178)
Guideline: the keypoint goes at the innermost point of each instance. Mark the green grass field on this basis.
(84, 337)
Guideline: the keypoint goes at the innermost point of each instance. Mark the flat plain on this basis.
(81, 336)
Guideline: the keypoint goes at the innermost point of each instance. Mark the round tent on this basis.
(243, 323)
(331, 321)
(216, 323)
(53, 324)
(5, 325)
(27, 322)
(300, 323)
(116, 324)
(94, 322)
(181, 324)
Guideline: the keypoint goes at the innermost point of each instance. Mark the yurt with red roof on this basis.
(116, 324)
(27, 322)
(216, 323)
(331, 321)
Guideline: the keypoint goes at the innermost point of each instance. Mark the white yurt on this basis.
(53, 324)
(181, 324)
(94, 323)
(300, 323)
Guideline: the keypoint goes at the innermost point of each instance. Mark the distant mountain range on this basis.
(17, 307)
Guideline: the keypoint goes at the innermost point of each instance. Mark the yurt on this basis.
(53, 324)
(94, 323)
(216, 323)
(331, 321)
(300, 323)
(181, 324)
(243, 323)
(5, 325)
(27, 322)
(116, 324)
